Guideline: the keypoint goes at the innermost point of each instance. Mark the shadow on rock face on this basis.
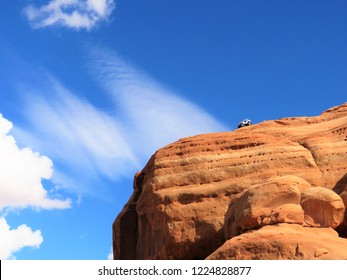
(341, 185)
(341, 189)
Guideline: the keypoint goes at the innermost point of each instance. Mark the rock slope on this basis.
(275, 190)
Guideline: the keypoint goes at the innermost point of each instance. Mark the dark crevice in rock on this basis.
(125, 228)
(341, 187)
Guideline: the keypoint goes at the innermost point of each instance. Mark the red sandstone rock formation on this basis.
(284, 242)
(275, 190)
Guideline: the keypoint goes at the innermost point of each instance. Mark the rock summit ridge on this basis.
(274, 190)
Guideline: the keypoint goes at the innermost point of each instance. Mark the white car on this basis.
(245, 122)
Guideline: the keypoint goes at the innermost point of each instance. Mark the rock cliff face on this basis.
(275, 190)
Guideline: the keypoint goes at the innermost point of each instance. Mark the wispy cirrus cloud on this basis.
(156, 113)
(85, 143)
(88, 144)
(76, 14)
(13, 240)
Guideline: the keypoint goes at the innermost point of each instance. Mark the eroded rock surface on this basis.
(284, 242)
(275, 201)
(204, 191)
(322, 207)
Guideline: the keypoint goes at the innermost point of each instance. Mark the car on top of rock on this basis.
(245, 122)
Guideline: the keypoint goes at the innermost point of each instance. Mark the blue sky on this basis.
(90, 89)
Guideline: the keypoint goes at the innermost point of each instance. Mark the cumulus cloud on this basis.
(21, 173)
(76, 14)
(13, 240)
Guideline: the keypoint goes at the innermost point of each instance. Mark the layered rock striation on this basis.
(275, 190)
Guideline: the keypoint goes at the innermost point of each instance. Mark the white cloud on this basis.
(13, 240)
(21, 173)
(110, 254)
(156, 114)
(85, 143)
(76, 14)
(88, 144)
